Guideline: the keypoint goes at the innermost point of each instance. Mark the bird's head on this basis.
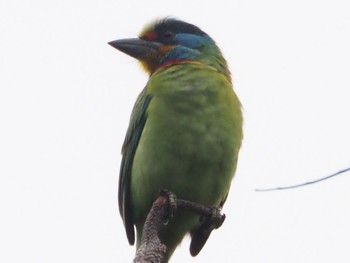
(171, 41)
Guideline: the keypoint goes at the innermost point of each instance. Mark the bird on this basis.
(185, 130)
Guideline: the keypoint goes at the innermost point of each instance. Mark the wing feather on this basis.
(132, 138)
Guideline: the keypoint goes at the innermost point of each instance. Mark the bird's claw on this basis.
(215, 220)
(172, 202)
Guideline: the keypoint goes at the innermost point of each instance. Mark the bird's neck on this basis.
(177, 62)
(168, 64)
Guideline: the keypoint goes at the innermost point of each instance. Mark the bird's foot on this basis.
(215, 220)
(210, 221)
(172, 203)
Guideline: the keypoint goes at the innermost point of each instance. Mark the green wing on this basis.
(136, 124)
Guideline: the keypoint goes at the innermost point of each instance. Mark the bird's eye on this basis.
(168, 35)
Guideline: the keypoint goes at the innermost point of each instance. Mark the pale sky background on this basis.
(65, 101)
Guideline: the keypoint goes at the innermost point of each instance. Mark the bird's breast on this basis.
(190, 141)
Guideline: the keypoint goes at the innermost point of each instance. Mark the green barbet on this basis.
(185, 130)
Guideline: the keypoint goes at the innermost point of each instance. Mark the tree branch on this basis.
(151, 249)
(303, 184)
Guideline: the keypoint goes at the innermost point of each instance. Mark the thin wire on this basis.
(303, 184)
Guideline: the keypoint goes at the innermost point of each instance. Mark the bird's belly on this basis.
(192, 155)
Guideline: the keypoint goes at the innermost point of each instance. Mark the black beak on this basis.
(137, 48)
